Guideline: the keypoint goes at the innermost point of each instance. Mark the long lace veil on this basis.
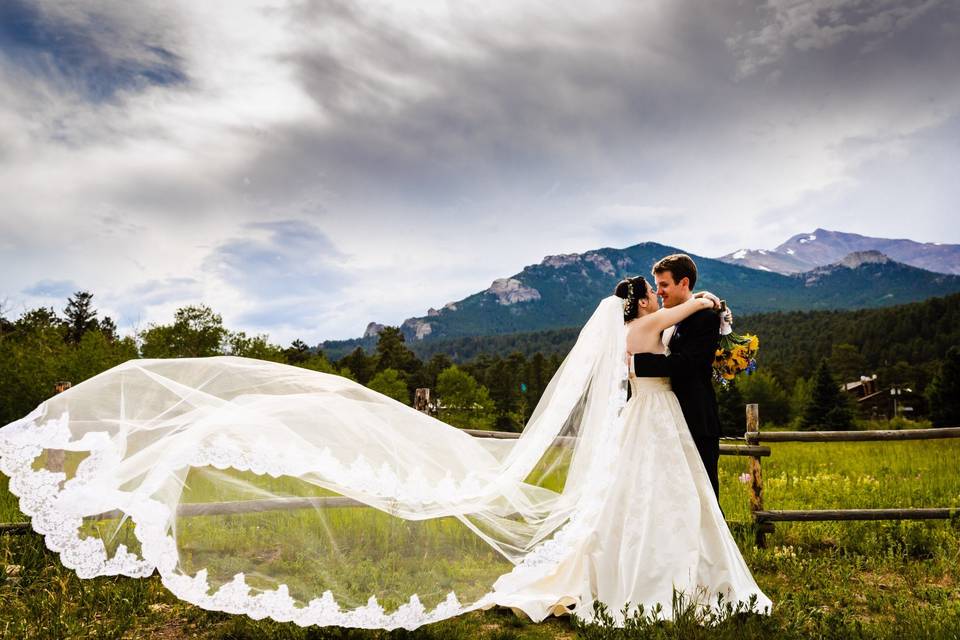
(265, 489)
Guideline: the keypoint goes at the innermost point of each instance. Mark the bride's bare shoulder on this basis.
(643, 324)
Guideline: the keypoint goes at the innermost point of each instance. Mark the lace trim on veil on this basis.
(44, 497)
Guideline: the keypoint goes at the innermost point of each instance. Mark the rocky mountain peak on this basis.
(510, 291)
(418, 327)
(373, 329)
(823, 248)
(561, 260)
(858, 258)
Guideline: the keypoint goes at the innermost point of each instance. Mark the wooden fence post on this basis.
(56, 457)
(421, 401)
(756, 475)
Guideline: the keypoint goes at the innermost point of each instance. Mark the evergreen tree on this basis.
(730, 403)
(799, 398)
(361, 366)
(5, 327)
(540, 370)
(432, 369)
(537, 375)
(847, 363)
(393, 353)
(763, 389)
(828, 407)
(109, 329)
(80, 316)
(899, 373)
(503, 377)
(297, 352)
(39, 319)
(390, 382)
(944, 391)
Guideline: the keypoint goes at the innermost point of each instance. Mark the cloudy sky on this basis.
(307, 167)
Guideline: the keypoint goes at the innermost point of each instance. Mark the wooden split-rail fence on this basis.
(750, 447)
(764, 518)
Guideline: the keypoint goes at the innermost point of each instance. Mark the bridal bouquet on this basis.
(735, 355)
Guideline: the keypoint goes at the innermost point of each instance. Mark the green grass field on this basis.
(827, 580)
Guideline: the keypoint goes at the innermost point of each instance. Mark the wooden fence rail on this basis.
(763, 519)
(811, 515)
(726, 449)
(852, 436)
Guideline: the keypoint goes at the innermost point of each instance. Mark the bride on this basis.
(265, 489)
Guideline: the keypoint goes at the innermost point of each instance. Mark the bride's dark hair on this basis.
(631, 290)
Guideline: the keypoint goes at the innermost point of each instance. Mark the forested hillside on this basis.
(490, 381)
(792, 342)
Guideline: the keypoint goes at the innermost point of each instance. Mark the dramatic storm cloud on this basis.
(306, 167)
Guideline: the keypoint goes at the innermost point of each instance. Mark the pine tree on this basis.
(81, 316)
(360, 365)
(762, 389)
(847, 362)
(733, 421)
(503, 378)
(393, 353)
(799, 398)
(109, 329)
(432, 369)
(538, 375)
(944, 391)
(297, 352)
(828, 408)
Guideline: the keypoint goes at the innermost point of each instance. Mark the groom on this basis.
(690, 363)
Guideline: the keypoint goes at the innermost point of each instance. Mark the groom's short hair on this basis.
(680, 265)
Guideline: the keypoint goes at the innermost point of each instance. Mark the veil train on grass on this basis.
(274, 491)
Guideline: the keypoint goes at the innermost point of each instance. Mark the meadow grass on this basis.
(827, 580)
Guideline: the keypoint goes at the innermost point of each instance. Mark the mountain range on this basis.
(562, 290)
(807, 251)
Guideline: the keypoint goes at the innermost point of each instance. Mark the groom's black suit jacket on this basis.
(690, 369)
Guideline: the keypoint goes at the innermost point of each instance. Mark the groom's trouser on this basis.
(709, 449)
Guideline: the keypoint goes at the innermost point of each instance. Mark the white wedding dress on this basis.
(277, 492)
(659, 528)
